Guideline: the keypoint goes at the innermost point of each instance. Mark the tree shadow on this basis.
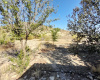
(61, 61)
(87, 53)
(40, 71)
(9, 50)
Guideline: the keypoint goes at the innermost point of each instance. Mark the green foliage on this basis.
(17, 12)
(45, 37)
(85, 21)
(5, 37)
(27, 49)
(2, 42)
(77, 37)
(36, 35)
(12, 12)
(30, 37)
(19, 65)
(54, 34)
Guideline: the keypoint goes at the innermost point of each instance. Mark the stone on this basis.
(89, 76)
(43, 78)
(32, 78)
(98, 77)
(84, 79)
(51, 78)
(25, 77)
(57, 75)
(62, 76)
(44, 72)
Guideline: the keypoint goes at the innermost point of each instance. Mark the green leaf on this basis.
(6, 2)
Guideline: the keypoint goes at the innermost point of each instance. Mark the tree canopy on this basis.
(86, 19)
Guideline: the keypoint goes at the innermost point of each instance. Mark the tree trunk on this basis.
(25, 45)
(21, 41)
(77, 46)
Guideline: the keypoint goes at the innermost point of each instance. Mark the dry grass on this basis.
(96, 69)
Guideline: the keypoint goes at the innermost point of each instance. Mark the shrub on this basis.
(54, 34)
(30, 37)
(6, 38)
(1, 41)
(45, 37)
(37, 36)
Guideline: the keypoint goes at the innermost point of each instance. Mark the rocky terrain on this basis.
(58, 64)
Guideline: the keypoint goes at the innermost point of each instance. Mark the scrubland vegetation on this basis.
(23, 20)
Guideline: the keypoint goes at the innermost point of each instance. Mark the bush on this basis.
(45, 37)
(1, 41)
(54, 34)
(30, 37)
(37, 36)
(5, 38)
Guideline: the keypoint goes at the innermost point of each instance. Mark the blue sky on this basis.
(65, 8)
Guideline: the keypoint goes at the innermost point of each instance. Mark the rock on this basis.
(78, 76)
(25, 77)
(43, 78)
(51, 78)
(98, 77)
(44, 72)
(62, 76)
(89, 76)
(32, 78)
(84, 79)
(57, 75)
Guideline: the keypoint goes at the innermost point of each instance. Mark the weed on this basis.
(27, 49)
(19, 65)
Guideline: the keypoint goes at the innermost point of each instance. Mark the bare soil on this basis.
(50, 62)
